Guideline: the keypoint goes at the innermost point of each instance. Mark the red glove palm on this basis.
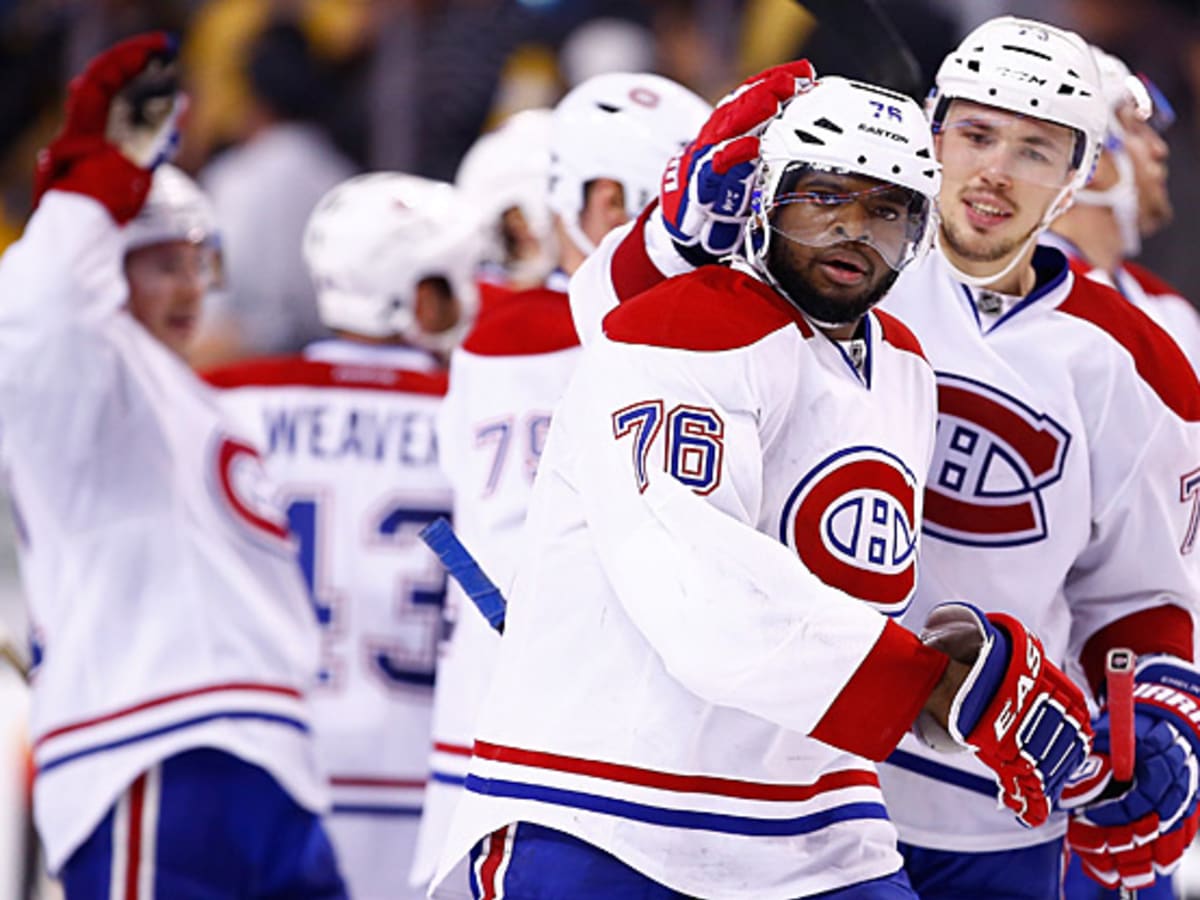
(705, 192)
(94, 154)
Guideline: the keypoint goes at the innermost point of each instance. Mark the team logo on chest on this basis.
(242, 485)
(852, 520)
(992, 459)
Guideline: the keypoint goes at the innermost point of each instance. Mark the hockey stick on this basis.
(8, 654)
(441, 539)
(1118, 680)
(885, 57)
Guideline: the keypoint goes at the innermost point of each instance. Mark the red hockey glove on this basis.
(705, 191)
(1127, 834)
(122, 115)
(1025, 720)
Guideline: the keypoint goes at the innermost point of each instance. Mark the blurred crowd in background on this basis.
(289, 97)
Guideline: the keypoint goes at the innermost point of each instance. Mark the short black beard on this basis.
(799, 289)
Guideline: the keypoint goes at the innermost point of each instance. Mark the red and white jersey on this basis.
(687, 646)
(348, 432)
(1170, 310)
(1064, 491)
(505, 380)
(163, 589)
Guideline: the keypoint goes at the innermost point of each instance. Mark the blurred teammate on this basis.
(1127, 200)
(506, 174)
(608, 141)
(171, 258)
(697, 663)
(1063, 485)
(347, 429)
(174, 644)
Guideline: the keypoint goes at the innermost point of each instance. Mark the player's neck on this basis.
(1092, 229)
(1016, 278)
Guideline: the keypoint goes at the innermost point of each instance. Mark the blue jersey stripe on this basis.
(447, 778)
(167, 729)
(677, 818)
(371, 809)
(930, 769)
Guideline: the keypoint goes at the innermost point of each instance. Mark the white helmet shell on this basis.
(848, 126)
(175, 210)
(373, 238)
(506, 168)
(620, 126)
(1033, 69)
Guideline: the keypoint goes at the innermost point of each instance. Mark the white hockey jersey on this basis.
(162, 584)
(347, 431)
(667, 660)
(1064, 490)
(505, 380)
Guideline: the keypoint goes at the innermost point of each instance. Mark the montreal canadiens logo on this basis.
(993, 458)
(852, 520)
(245, 490)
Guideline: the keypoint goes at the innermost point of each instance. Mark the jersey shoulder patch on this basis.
(523, 323)
(710, 309)
(1156, 356)
(898, 334)
(296, 371)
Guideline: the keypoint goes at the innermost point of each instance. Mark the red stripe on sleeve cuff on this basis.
(881, 700)
(1160, 629)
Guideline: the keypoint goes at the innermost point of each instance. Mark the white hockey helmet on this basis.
(1033, 69)
(373, 238)
(506, 168)
(175, 210)
(847, 127)
(620, 126)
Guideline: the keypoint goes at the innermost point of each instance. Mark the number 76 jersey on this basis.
(348, 433)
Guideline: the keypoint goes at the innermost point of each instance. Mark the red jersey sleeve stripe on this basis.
(1158, 359)
(883, 698)
(632, 269)
(1159, 629)
(899, 335)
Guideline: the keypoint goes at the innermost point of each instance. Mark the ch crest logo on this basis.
(245, 491)
(992, 459)
(852, 521)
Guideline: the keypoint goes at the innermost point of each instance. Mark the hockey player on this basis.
(1063, 484)
(698, 663)
(347, 429)
(608, 141)
(171, 258)
(1127, 200)
(170, 728)
(505, 173)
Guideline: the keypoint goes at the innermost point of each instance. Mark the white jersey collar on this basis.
(343, 352)
(1053, 283)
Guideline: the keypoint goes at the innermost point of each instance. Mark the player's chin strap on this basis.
(1053, 211)
(1122, 199)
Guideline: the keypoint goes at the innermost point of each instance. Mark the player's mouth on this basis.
(986, 211)
(845, 267)
(182, 323)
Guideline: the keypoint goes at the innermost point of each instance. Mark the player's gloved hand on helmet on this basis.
(1128, 833)
(121, 121)
(1025, 720)
(705, 192)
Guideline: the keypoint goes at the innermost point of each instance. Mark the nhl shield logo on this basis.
(852, 521)
(992, 459)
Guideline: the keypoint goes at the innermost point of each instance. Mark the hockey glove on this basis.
(1025, 720)
(1126, 833)
(122, 121)
(705, 192)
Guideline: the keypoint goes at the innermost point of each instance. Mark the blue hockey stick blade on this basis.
(441, 539)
